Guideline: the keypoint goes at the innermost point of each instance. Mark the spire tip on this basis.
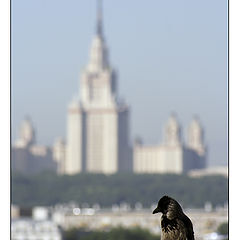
(99, 17)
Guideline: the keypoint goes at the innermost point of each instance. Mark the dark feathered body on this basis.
(174, 223)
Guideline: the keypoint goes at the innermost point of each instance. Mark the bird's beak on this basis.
(156, 210)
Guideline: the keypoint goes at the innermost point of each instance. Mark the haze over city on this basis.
(170, 56)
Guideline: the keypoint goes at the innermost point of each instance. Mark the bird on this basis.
(175, 224)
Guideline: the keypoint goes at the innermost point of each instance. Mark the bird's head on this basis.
(168, 206)
(162, 205)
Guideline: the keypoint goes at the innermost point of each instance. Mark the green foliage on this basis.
(114, 234)
(49, 189)
(223, 229)
(71, 234)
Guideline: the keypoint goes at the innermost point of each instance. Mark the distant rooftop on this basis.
(218, 170)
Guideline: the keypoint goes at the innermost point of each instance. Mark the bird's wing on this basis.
(189, 227)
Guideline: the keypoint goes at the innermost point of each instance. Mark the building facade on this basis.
(28, 229)
(172, 156)
(97, 139)
(28, 157)
(97, 122)
(59, 154)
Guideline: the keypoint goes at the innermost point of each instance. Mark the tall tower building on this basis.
(172, 132)
(195, 137)
(26, 134)
(97, 125)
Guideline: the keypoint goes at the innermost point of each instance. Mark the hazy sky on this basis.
(170, 56)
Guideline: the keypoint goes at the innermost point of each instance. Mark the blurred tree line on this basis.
(48, 189)
(223, 228)
(113, 234)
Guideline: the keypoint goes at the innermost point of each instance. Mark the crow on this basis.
(174, 223)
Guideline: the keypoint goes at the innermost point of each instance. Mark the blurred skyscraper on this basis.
(97, 127)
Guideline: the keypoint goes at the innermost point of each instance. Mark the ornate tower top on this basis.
(98, 81)
(26, 134)
(195, 136)
(98, 52)
(99, 18)
(172, 131)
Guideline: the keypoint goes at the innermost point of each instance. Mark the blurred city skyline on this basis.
(170, 56)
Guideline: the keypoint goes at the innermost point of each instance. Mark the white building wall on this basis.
(171, 156)
(59, 155)
(102, 141)
(40, 213)
(95, 130)
(157, 159)
(147, 159)
(27, 229)
(173, 159)
(110, 158)
(73, 163)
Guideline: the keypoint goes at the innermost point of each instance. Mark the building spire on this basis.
(98, 52)
(99, 18)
